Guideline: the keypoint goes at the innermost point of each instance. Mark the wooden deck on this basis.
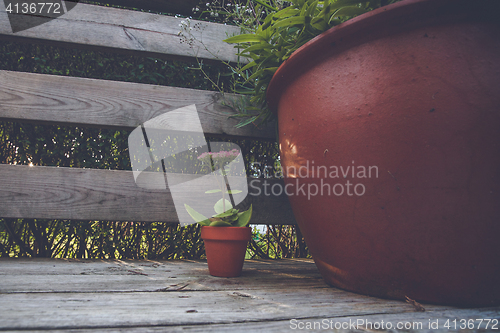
(141, 296)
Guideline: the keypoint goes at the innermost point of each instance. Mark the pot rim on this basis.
(207, 226)
(385, 21)
(226, 233)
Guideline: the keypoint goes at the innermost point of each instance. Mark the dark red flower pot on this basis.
(411, 90)
(225, 248)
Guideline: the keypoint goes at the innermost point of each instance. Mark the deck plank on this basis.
(18, 276)
(411, 318)
(73, 310)
(149, 296)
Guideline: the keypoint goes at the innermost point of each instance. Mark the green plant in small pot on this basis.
(226, 233)
(397, 90)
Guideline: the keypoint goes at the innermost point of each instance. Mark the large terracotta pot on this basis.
(409, 96)
(225, 248)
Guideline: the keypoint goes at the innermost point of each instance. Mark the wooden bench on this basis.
(92, 194)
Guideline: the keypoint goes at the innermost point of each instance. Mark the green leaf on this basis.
(213, 191)
(220, 224)
(244, 218)
(267, 23)
(334, 20)
(287, 12)
(343, 3)
(288, 22)
(319, 23)
(244, 38)
(263, 3)
(197, 217)
(246, 122)
(350, 11)
(255, 47)
(311, 8)
(204, 222)
(247, 66)
(268, 69)
(326, 9)
(234, 191)
(219, 207)
(227, 213)
(303, 8)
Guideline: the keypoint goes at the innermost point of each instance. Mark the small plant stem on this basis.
(224, 187)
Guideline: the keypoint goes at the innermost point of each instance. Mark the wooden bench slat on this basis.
(97, 27)
(80, 101)
(96, 194)
(183, 7)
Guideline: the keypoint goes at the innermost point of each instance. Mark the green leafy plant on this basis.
(225, 214)
(274, 30)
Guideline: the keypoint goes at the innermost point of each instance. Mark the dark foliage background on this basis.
(53, 145)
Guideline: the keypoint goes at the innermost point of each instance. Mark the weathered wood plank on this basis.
(224, 304)
(246, 302)
(80, 101)
(412, 319)
(92, 194)
(426, 320)
(87, 194)
(18, 276)
(96, 310)
(415, 320)
(183, 7)
(73, 310)
(106, 28)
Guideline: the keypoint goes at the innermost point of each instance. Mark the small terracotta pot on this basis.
(225, 248)
(410, 94)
